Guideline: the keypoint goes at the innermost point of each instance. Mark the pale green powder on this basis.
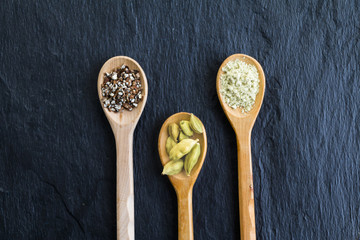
(239, 84)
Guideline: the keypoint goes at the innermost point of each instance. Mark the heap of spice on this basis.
(183, 151)
(240, 84)
(121, 89)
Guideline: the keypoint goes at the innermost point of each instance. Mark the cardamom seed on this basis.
(182, 136)
(196, 124)
(174, 131)
(182, 148)
(192, 158)
(173, 167)
(170, 143)
(185, 127)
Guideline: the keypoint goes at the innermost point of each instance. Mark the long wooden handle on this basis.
(124, 185)
(185, 215)
(246, 190)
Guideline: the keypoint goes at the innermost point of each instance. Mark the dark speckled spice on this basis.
(121, 89)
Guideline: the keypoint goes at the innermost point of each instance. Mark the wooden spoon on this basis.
(123, 125)
(183, 184)
(242, 124)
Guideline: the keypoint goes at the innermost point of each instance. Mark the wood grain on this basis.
(123, 126)
(124, 183)
(183, 184)
(185, 213)
(242, 124)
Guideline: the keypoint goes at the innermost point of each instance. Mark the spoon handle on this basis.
(124, 184)
(246, 191)
(185, 215)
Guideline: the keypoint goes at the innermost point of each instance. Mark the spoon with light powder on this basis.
(240, 85)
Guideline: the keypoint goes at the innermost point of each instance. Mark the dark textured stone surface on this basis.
(57, 166)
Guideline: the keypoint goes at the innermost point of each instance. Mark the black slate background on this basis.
(57, 165)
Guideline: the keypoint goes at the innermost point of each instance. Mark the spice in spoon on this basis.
(183, 151)
(121, 89)
(239, 85)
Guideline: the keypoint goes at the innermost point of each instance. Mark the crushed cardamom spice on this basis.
(239, 85)
(121, 89)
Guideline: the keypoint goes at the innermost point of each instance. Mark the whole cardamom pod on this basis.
(182, 136)
(174, 131)
(185, 127)
(192, 158)
(173, 167)
(196, 124)
(182, 148)
(170, 143)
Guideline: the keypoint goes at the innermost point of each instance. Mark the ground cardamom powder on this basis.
(239, 85)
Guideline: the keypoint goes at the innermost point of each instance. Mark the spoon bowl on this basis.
(123, 125)
(182, 183)
(126, 117)
(242, 124)
(181, 177)
(234, 114)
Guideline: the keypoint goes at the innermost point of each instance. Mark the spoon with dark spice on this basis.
(242, 123)
(117, 78)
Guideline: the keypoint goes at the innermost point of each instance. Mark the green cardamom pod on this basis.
(196, 124)
(192, 158)
(174, 131)
(170, 143)
(182, 148)
(182, 136)
(185, 127)
(173, 167)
